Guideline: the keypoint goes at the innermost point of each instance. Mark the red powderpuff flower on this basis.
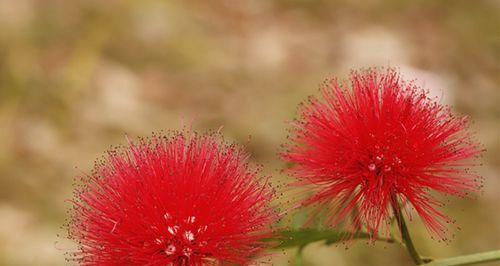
(179, 200)
(382, 143)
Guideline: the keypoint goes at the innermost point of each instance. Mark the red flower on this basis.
(382, 143)
(176, 200)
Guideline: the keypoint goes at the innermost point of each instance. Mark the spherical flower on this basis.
(172, 200)
(374, 144)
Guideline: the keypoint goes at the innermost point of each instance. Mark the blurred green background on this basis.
(75, 76)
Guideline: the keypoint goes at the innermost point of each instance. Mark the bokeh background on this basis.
(75, 76)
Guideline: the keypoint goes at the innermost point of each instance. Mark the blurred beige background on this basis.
(75, 76)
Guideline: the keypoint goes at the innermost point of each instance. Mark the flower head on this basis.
(381, 142)
(177, 200)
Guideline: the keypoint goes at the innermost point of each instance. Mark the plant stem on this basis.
(298, 256)
(405, 234)
(468, 259)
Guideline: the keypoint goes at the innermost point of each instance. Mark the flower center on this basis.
(180, 239)
(380, 163)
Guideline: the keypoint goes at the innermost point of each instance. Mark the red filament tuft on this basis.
(377, 142)
(177, 200)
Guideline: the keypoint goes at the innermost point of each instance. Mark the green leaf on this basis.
(302, 237)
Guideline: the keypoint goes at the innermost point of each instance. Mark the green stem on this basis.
(298, 256)
(405, 234)
(468, 259)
